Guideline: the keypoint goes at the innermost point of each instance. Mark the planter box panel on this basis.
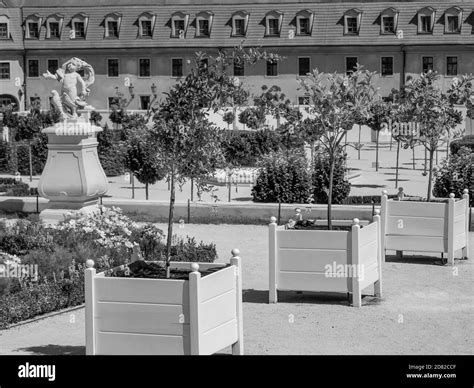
(366, 234)
(368, 254)
(460, 225)
(416, 226)
(312, 260)
(418, 209)
(142, 290)
(187, 265)
(141, 344)
(142, 318)
(460, 240)
(312, 281)
(217, 283)
(417, 243)
(461, 208)
(371, 275)
(219, 337)
(309, 239)
(217, 311)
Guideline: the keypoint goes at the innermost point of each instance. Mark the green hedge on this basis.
(456, 145)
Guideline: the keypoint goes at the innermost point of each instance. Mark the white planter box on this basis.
(309, 260)
(426, 226)
(138, 316)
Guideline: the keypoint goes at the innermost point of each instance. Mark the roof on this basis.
(327, 28)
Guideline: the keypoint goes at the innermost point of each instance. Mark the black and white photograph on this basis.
(237, 178)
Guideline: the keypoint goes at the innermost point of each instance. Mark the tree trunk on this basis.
(146, 191)
(170, 226)
(413, 151)
(377, 152)
(133, 185)
(398, 161)
(358, 150)
(430, 175)
(425, 162)
(192, 189)
(331, 178)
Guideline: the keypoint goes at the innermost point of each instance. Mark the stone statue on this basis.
(74, 88)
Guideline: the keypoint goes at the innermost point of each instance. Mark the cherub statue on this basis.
(71, 98)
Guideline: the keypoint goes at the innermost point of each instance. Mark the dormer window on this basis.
(352, 20)
(4, 27)
(204, 24)
(79, 26)
(304, 22)
(273, 22)
(54, 25)
(146, 25)
(112, 25)
(179, 25)
(453, 20)
(32, 26)
(240, 21)
(426, 17)
(389, 21)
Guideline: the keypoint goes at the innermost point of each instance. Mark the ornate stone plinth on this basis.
(73, 178)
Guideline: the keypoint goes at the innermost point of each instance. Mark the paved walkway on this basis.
(427, 309)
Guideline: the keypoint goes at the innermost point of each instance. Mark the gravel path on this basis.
(427, 309)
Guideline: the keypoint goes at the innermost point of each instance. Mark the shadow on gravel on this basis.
(260, 296)
(368, 185)
(427, 260)
(55, 350)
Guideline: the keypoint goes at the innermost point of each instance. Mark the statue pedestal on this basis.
(73, 178)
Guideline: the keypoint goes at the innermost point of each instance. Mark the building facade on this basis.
(144, 49)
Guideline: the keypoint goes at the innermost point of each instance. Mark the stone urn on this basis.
(73, 179)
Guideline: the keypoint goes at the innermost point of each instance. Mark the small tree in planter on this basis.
(380, 113)
(434, 113)
(335, 101)
(189, 145)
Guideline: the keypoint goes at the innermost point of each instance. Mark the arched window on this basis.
(179, 24)
(273, 23)
(304, 22)
(112, 24)
(240, 22)
(54, 26)
(352, 19)
(79, 24)
(426, 19)
(389, 21)
(146, 25)
(453, 20)
(33, 26)
(204, 24)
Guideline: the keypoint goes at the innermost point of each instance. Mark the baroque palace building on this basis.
(142, 49)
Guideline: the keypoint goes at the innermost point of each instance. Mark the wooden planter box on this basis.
(426, 226)
(309, 260)
(138, 316)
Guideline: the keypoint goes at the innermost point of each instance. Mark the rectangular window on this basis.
(425, 26)
(4, 31)
(387, 66)
(177, 67)
(351, 25)
(303, 100)
(33, 30)
(239, 27)
(79, 30)
(351, 64)
(33, 68)
(203, 65)
(144, 102)
(4, 70)
(272, 68)
(427, 64)
(304, 26)
(35, 101)
(178, 26)
(112, 101)
(239, 69)
(452, 24)
(144, 67)
(53, 30)
(146, 28)
(203, 27)
(388, 24)
(273, 26)
(452, 66)
(53, 65)
(303, 66)
(113, 67)
(112, 28)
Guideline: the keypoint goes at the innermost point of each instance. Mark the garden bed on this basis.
(426, 226)
(202, 315)
(325, 261)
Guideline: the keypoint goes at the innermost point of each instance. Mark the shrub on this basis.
(110, 152)
(320, 179)
(456, 145)
(455, 175)
(282, 178)
(23, 236)
(4, 156)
